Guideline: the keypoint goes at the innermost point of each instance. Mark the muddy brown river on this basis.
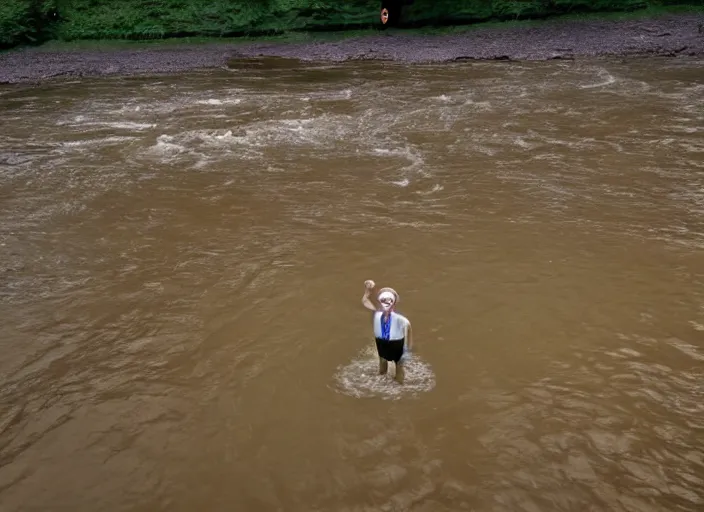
(182, 260)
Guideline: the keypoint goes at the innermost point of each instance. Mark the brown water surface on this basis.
(182, 260)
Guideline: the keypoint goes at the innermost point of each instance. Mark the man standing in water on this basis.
(391, 330)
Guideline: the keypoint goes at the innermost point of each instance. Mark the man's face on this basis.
(386, 301)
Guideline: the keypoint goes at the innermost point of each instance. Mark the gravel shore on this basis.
(671, 35)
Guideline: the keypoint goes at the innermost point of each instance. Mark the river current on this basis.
(182, 260)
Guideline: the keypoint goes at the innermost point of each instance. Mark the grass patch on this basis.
(285, 37)
(650, 12)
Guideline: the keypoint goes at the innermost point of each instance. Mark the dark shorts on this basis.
(391, 350)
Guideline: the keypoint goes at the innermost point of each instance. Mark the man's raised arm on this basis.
(366, 302)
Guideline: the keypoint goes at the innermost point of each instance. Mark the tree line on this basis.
(35, 21)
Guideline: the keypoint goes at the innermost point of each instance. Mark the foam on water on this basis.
(360, 378)
(128, 125)
(410, 153)
(314, 132)
(216, 101)
(436, 188)
(478, 106)
(82, 121)
(204, 145)
(606, 79)
(93, 142)
(318, 133)
(165, 145)
(344, 94)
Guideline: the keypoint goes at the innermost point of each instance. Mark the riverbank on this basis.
(665, 35)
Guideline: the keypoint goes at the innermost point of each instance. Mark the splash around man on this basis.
(392, 330)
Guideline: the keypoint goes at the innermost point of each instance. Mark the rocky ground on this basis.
(672, 35)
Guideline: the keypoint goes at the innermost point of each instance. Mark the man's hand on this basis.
(368, 287)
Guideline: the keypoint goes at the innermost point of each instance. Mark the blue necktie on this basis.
(385, 328)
